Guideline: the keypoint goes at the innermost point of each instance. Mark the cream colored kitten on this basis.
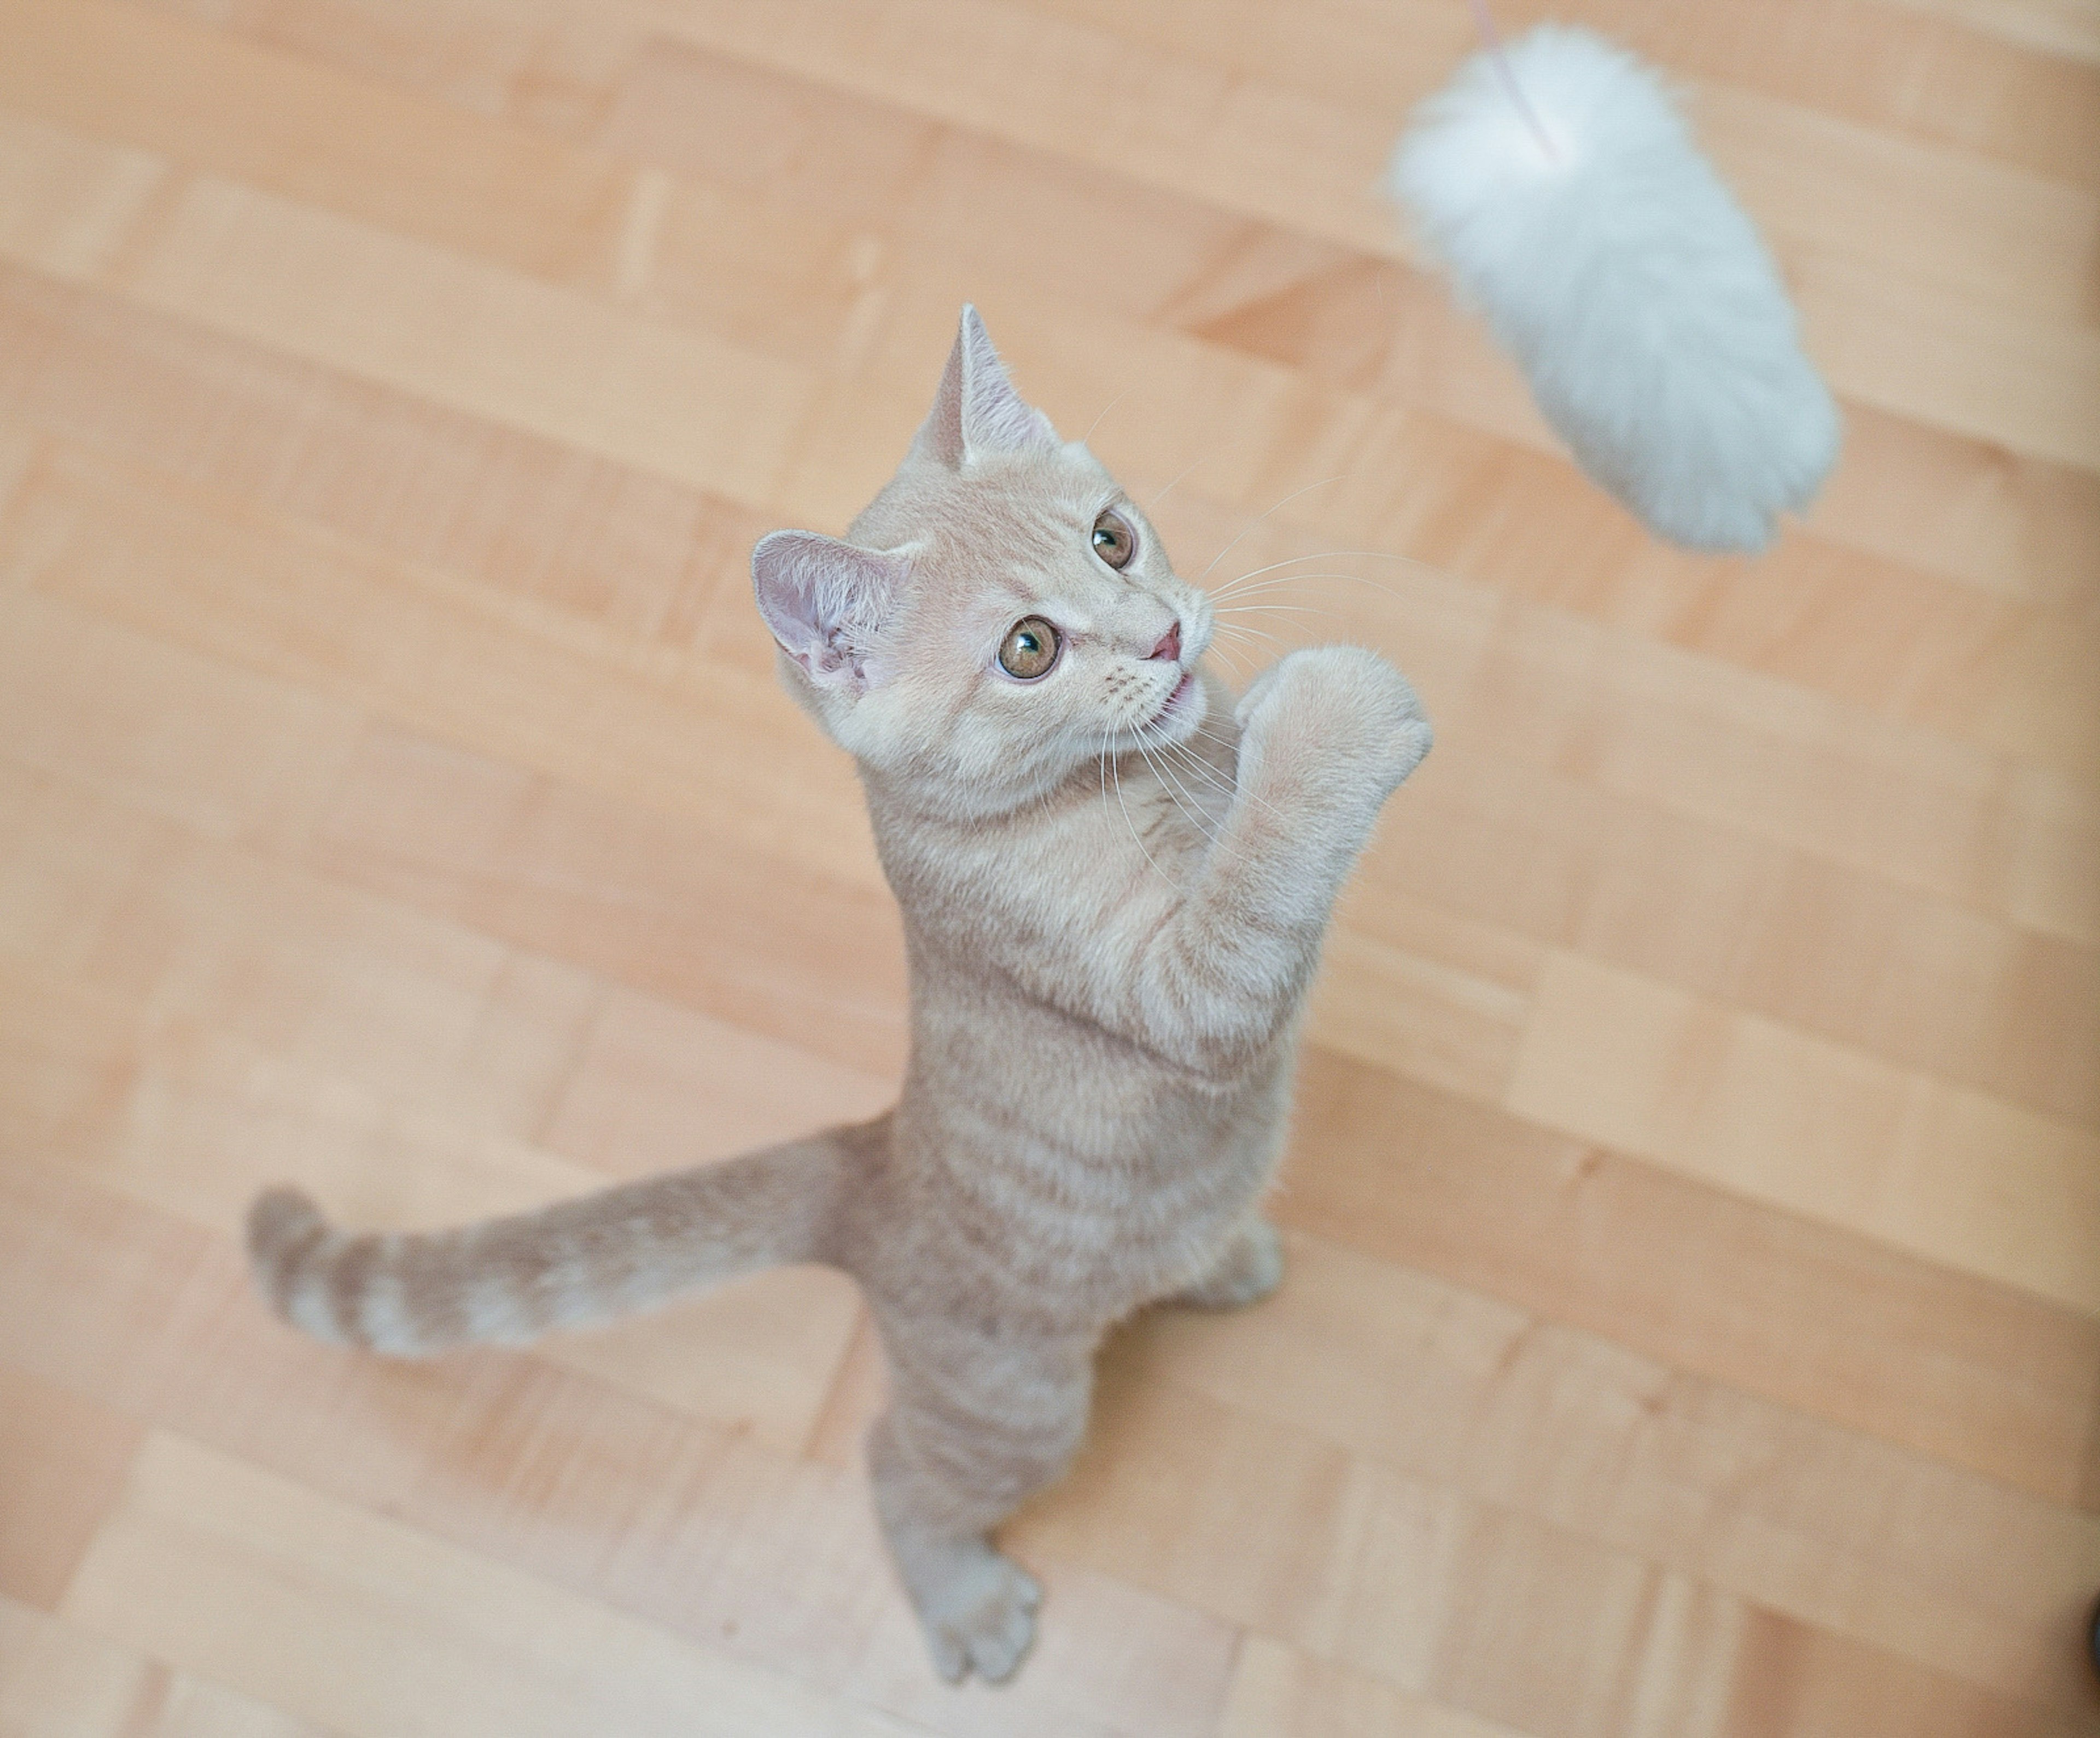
(1108, 960)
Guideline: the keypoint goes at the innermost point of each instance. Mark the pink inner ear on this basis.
(825, 600)
(976, 412)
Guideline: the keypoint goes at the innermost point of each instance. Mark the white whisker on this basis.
(1240, 627)
(1221, 600)
(1196, 766)
(1115, 767)
(1190, 809)
(1280, 609)
(1251, 524)
(1172, 486)
(1407, 560)
(1234, 790)
(1105, 409)
(1232, 585)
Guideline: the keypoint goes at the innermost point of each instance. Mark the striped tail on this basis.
(573, 1264)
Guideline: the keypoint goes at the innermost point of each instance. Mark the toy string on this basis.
(1484, 20)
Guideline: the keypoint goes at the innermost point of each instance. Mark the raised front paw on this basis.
(1336, 710)
(979, 1614)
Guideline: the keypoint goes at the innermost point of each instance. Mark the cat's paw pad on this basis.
(982, 1619)
(1251, 1268)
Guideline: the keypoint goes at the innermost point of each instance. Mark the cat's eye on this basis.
(1030, 649)
(1113, 540)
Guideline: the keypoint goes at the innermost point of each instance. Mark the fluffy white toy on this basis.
(1562, 190)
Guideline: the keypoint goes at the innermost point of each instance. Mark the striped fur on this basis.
(578, 1263)
(1114, 886)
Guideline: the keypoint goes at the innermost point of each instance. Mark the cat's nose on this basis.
(1170, 644)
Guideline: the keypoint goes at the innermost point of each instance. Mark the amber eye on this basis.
(1113, 540)
(1030, 649)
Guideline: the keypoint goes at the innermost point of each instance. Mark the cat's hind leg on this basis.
(978, 1422)
(1247, 1268)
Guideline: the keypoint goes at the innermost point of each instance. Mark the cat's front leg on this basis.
(1325, 737)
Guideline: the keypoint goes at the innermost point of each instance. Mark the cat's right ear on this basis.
(976, 412)
(825, 601)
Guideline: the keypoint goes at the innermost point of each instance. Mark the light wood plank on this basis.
(1833, 189)
(1757, 1107)
(508, 194)
(175, 93)
(370, 1627)
(62, 1682)
(1419, 1016)
(1961, 508)
(1464, 1603)
(1832, 948)
(2070, 28)
(1278, 1692)
(1544, 1614)
(1775, 1305)
(365, 989)
(515, 513)
(665, 904)
(1887, 1547)
(539, 65)
(62, 1459)
(217, 750)
(256, 589)
(68, 203)
(408, 314)
(1753, 754)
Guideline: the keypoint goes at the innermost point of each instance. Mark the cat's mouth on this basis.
(1177, 701)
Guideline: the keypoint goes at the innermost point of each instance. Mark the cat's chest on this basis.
(1167, 807)
(1147, 832)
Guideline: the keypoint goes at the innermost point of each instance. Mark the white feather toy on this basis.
(1561, 189)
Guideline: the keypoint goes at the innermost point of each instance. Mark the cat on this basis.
(1114, 884)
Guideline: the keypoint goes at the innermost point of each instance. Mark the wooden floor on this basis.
(1693, 1326)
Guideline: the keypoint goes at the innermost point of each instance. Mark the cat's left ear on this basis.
(825, 601)
(976, 412)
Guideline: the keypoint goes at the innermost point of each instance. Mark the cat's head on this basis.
(1000, 614)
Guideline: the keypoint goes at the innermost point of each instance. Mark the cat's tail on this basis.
(569, 1265)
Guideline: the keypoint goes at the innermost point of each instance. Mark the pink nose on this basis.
(1170, 644)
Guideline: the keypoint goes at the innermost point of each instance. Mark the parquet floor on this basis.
(1693, 1329)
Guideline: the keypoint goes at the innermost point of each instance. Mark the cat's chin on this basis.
(1180, 715)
